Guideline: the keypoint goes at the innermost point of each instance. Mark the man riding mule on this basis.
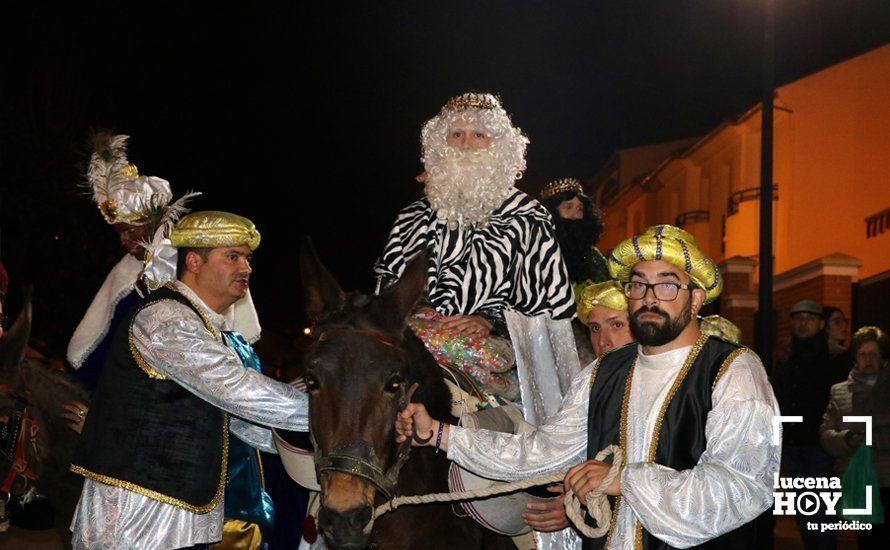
(496, 267)
(693, 415)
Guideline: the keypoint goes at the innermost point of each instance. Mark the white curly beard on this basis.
(466, 185)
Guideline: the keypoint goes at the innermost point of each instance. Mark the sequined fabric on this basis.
(175, 342)
(730, 486)
(546, 362)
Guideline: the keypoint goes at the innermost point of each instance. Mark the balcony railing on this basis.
(745, 195)
(876, 224)
(692, 216)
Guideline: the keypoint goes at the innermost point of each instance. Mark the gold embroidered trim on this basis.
(160, 497)
(653, 445)
(599, 361)
(140, 361)
(622, 442)
(725, 366)
(146, 368)
(198, 309)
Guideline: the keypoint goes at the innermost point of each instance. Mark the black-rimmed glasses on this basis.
(666, 292)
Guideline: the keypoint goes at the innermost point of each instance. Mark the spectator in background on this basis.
(835, 325)
(802, 379)
(866, 392)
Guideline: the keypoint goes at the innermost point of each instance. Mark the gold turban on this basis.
(608, 294)
(714, 325)
(212, 229)
(668, 244)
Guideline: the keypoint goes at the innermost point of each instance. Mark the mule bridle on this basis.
(357, 457)
(21, 429)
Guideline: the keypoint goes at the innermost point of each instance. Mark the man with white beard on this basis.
(494, 245)
(496, 266)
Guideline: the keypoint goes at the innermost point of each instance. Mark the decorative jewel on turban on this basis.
(561, 185)
(213, 229)
(122, 195)
(668, 244)
(607, 294)
(715, 325)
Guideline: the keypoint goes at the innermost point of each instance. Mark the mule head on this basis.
(358, 373)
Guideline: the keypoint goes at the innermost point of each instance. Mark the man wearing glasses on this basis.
(693, 415)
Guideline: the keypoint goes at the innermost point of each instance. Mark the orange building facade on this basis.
(831, 224)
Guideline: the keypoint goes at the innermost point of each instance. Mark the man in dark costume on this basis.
(693, 415)
(579, 224)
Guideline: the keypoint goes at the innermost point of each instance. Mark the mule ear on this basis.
(398, 300)
(321, 291)
(12, 347)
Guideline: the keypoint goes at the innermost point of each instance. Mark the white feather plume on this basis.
(108, 159)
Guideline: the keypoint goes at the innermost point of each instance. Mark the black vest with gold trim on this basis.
(147, 434)
(681, 435)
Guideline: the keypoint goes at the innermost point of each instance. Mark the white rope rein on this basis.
(597, 502)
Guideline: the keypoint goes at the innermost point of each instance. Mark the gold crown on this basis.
(560, 186)
(472, 100)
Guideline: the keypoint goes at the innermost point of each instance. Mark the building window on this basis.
(876, 224)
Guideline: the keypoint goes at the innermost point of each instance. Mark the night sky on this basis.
(306, 118)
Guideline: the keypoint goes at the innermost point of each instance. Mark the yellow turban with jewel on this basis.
(212, 229)
(608, 294)
(670, 244)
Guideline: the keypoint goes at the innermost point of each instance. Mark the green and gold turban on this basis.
(714, 325)
(213, 229)
(607, 294)
(668, 244)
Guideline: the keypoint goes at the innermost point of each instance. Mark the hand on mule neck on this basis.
(416, 419)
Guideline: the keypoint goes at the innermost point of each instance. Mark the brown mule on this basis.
(360, 373)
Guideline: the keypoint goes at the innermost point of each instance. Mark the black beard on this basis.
(576, 241)
(655, 335)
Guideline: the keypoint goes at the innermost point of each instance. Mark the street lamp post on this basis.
(765, 276)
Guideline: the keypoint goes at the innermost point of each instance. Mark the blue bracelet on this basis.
(439, 436)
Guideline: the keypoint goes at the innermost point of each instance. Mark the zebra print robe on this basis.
(512, 263)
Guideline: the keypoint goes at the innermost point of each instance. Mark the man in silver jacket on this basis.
(180, 340)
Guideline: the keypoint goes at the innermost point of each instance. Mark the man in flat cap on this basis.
(803, 377)
(693, 415)
(155, 444)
